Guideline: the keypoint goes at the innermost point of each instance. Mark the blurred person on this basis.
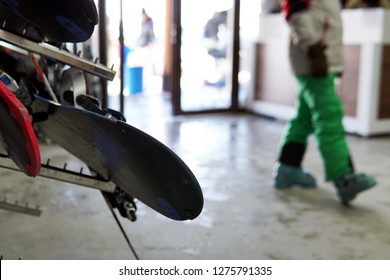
(214, 34)
(316, 58)
(147, 36)
(145, 55)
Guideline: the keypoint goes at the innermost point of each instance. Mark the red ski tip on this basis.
(18, 134)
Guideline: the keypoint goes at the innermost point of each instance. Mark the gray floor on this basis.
(243, 217)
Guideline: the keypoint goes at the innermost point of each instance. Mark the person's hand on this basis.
(319, 63)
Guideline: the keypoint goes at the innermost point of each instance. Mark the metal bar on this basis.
(13, 48)
(60, 55)
(120, 226)
(103, 47)
(66, 176)
(176, 58)
(122, 59)
(16, 207)
(234, 106)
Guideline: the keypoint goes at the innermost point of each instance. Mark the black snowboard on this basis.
(136, 162)
(49, 20)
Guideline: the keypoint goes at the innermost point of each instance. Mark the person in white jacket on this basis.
(316, 57)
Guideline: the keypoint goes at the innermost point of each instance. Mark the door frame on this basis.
(176, 61)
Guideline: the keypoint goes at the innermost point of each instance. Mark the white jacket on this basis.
(306, 20)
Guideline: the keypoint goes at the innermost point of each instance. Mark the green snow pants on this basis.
(320, 112)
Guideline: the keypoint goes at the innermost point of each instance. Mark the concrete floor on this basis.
(243, 217)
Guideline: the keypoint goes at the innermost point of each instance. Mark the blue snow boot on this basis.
(352, 184)
(286, 176)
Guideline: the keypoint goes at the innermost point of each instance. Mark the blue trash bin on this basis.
(126, 76)
(136, 81)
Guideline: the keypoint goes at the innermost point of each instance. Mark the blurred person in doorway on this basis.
(147, 36)
(215, 35)
(145, 55)
(316, 58)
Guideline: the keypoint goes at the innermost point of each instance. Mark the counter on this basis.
(364, 88)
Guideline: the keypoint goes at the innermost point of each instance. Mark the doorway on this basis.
(205, 56)
(190, 66)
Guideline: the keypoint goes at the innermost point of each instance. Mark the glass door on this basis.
(192, 58)
(206, 55)
(140, 66)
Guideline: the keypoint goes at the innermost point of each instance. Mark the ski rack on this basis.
(16, 206)
(64, 175)
(63, 56)
(18, 43)
(77, 178)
